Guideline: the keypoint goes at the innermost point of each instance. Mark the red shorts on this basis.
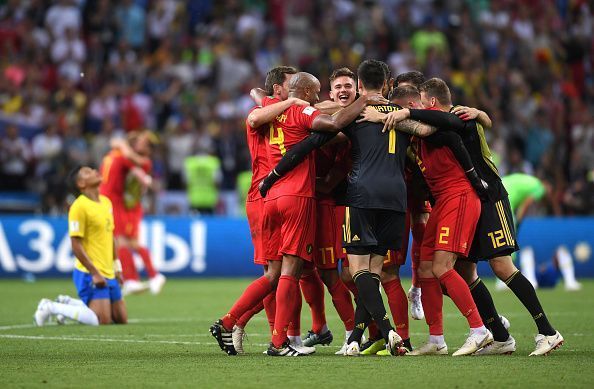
(126, 221)
(328, 245)
(451, 225)
(339, 211)
(289, 227)
(255, 215)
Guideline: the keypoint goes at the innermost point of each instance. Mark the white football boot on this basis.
(498, 348)
(546, 344)
(473, 343)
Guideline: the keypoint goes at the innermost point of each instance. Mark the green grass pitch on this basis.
(167, 344)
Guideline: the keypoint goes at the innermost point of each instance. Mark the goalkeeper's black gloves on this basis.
(267, 182)
(480, 186)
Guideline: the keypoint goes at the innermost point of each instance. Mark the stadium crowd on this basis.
(74, 73)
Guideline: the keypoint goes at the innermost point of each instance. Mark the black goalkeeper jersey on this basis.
(376, 180)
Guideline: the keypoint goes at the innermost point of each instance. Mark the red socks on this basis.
(270, 308)
(294, 328)
(243, 320)
(398, 306)
(341, 298)
(146, 259)
(459, 293)
(313, 292)
(353, 288)
(432, 300)
(129, 271)
(251, 296)
(285, 308)
(128, 268)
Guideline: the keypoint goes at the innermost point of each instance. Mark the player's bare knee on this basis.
(292, 266)
(389, 274)
(467, 271)
(503, 267)
(425, 269)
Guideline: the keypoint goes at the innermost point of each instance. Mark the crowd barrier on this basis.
(221, 247)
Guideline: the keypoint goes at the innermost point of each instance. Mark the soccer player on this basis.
(332, 165)
(525, 190)
(376, 205)
(126, 175)
(290, 206)
(96, 271)
(495, 235)
(260, 294)
(449, 234)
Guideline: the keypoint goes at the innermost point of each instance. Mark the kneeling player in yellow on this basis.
(96, 274)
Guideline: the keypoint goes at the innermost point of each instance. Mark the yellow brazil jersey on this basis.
(93, 222)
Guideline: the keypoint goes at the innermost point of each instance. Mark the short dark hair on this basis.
(436, 87)
(277, 76)
(342, 72)
(72, 179)
(405, 91)
(387, 70)
(414, 77)
(372, 74)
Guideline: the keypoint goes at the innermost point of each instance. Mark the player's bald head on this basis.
(305, 86)
(303, 80)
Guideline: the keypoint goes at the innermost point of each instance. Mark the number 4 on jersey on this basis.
(278, 139)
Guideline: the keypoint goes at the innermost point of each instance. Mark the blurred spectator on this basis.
(69, 52)
(131, 22)
(15, 156)
(180, 144)
(63, 15)
(203, 178)
(100, 144)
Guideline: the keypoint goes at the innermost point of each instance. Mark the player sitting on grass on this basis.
(96, 272)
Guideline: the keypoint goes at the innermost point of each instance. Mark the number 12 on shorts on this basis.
(497, 238)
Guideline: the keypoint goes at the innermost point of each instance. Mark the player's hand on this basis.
(376, 99)
(147, 181)
(297, 101)
(118, 277)
(395, 117)
(466, 113)
(267, 183)
(480, 186)
(99, 281)
(371, 114)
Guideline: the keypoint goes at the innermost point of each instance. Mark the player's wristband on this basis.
(117, 266)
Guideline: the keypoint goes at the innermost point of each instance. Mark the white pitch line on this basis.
(111, 340)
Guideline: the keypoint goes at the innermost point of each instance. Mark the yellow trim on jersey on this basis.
(93, 222)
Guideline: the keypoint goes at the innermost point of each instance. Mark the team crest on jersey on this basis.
(309, 110)
(309, 248)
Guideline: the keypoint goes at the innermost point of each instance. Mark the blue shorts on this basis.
(547, 276)
(87, 291)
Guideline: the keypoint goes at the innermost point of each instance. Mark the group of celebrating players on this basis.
(339, 184)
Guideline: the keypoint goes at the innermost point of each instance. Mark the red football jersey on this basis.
(288, 129)
(441, 170)
(327, 158)
(256, 140)
(114, 170)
